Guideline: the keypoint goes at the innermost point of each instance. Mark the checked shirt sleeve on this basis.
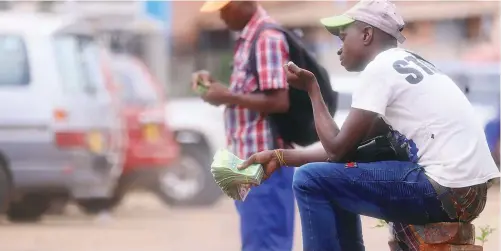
(272, 53)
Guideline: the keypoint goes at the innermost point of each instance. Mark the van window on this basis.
(135, 84)
(14, 65)
(79, 63)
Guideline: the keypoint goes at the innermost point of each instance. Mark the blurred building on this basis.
(438, 30)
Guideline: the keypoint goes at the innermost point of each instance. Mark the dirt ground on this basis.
(143, 223)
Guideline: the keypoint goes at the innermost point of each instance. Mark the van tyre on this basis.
(29, 209)
(189, 182)
(95, 206)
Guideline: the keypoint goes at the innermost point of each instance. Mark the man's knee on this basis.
(301, 176)
(307, 175)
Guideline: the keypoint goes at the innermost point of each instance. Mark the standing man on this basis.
(267, 214)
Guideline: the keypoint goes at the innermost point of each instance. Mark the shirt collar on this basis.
(251, 27)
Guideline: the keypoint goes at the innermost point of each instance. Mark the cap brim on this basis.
(213, 6)
(335, 23)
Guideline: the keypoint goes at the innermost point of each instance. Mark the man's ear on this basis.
(368, 32)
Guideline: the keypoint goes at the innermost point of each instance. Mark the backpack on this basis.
(297, 125)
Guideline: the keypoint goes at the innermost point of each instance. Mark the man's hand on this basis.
(266, 158)
(216, 94)
(300, 78)
(200, 77)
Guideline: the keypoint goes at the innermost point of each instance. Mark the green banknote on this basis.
(233, 182)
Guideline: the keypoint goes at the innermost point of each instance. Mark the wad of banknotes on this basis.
(233, 182)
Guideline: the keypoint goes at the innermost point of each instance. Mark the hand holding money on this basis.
(209, 89)
(235, 183)
(268, 159)
(200, 82)
(300, 78)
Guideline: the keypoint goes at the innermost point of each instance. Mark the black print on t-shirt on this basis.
(413, 68)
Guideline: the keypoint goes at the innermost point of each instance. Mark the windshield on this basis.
(14, 66)
(79, 63)
(136, 86)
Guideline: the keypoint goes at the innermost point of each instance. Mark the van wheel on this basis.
(189, 182)
(95, 206)
(29, 209)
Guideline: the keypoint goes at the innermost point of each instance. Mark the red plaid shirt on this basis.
(248, 131)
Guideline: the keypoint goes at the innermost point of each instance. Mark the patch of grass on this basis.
(485, 232)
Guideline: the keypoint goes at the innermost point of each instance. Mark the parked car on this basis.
(150, 146)
(58, 125)
(199, 128)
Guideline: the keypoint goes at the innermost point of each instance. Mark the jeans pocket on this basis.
(412, 174)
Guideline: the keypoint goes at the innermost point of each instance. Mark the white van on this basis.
(60, 132)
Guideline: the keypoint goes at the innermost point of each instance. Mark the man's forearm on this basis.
(299, 157)
(326, 127)
(259, 102)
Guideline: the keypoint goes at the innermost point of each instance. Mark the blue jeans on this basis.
(267, 214)
(331, 197)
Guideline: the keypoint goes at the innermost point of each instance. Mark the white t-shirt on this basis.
(428, 110)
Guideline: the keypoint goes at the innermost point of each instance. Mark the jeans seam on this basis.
(310, 223)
